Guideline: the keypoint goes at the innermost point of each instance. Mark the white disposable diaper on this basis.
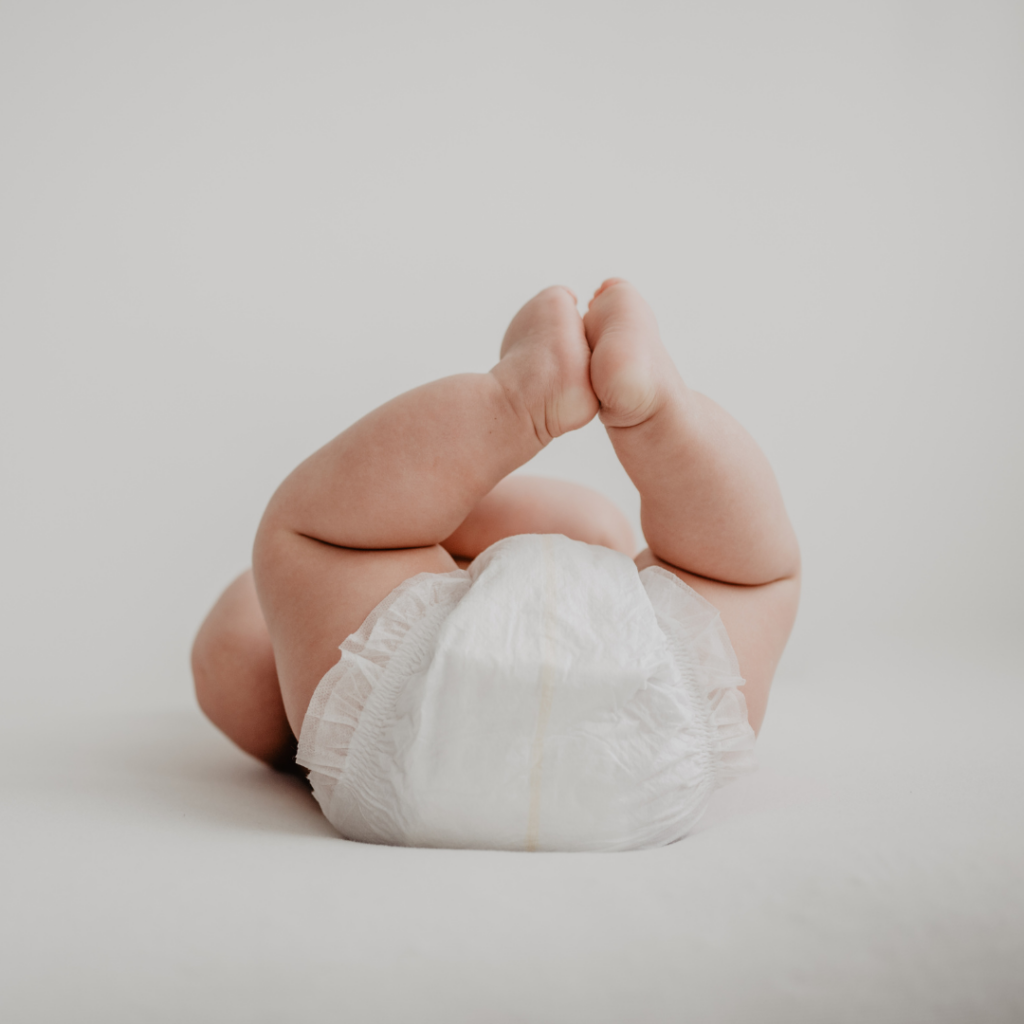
(548, 698)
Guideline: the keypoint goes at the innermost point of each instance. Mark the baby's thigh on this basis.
(534, 504)
(314, 595)
(236, 678)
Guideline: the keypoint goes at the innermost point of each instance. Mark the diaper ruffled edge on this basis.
(699, 641)
(335, 710)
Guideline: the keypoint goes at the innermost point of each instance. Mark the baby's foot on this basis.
(631, 373)
(545, 364)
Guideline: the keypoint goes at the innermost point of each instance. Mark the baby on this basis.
(510, 676)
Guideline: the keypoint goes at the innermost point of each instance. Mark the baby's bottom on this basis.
(233, 660)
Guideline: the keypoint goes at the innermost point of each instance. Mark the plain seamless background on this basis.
(229, 230)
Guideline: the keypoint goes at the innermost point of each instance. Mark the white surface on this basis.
(873, 869)
(226, 231)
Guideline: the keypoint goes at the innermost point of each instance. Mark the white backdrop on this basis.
(227, 231)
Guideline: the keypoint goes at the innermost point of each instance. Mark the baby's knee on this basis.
(232, 649)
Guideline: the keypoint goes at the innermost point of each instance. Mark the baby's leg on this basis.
(710, 507)
(374, 505)
(236, 677)
(233, 659)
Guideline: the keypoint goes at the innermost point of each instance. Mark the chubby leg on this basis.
(236, 677)
(374, 506)
(710, 506)
(233, 659)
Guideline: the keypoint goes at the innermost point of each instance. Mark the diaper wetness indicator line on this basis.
(547, 676)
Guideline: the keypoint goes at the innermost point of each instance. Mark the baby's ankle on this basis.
(521, 401)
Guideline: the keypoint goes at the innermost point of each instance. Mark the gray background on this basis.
(229, 230)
